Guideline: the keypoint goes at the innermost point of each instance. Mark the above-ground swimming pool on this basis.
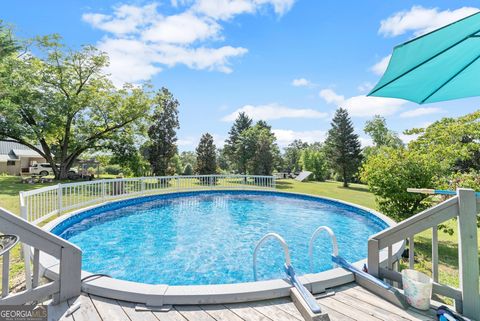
(208, 237)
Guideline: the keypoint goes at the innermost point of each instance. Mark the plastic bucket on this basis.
(417, 288)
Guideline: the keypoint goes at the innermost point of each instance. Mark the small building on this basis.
(16, 159)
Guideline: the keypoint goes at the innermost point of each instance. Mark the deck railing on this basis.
(42, 243)
(43, 203)
(464, 206)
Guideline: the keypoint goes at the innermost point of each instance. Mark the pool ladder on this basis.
(289, 270)
(292, 277)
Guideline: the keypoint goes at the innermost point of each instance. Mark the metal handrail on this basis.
(288, 261)
(314, 237)
(292, 277)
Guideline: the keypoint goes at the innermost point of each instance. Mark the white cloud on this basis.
(365, 87)
(183, 28)
(422, 111)
(301, 82)
(380, 67)
(331, 97)
(224, 9)
(274, 111)
(227, 9)
(363, 106)
(125, 18)
(286, 136)
(133, 60)
(420, 20)
(142, 41)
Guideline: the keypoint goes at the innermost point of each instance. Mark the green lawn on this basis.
(356, 193)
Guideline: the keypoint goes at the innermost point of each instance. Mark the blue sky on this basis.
(288, 62)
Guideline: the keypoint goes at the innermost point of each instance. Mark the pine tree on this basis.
(343, 146)
(206, 156)
(236, 156)
(162, 133)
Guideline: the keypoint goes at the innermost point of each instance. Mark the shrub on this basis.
(390, 172)
(113, 169)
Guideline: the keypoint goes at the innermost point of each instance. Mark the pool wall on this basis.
(162, 294)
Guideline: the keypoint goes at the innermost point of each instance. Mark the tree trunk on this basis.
(345, 180)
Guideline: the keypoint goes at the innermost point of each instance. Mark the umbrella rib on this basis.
(423, 62)
(449, 80)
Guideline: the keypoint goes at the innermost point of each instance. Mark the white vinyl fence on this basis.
(40, 204)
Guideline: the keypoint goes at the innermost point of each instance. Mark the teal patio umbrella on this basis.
(441, 65)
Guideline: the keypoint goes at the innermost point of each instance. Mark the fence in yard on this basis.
(40, 204)
(464, 206)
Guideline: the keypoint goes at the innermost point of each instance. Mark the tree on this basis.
(175, 165)
(343, 146)
(222, 160)
(390, 172)
(293, 152)
(237, 156)
(258, 148)
(315, 161)
(60, 103)
(8, 44)
(451, 142)
(163, 133)
(188, 157)
(206, 156)
(377, 129)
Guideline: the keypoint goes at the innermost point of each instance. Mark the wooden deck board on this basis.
(221, 313)
(194, 312)
(108, 309)
(247, 312)
(129, 309)
(350, 303)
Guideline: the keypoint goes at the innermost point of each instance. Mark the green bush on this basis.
(315, 161)
(113, 169)
(390, 172)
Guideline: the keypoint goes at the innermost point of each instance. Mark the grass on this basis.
(357, 193)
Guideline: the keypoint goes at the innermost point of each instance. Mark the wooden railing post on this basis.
(70, 273)
(373, 259)
(468, 252)
(26, 248)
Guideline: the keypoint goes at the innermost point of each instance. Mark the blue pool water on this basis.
(209, 237)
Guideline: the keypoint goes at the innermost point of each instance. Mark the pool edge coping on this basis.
(162, 294)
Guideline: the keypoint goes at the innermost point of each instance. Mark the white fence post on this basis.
(468, 252)
(104, 193)
(26, 248)
(142, 182)
(59, 198)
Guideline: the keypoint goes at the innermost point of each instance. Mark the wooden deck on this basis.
(350, 302)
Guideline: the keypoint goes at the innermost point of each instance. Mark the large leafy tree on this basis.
(293, 153)
(343, 146)
(162, 146)
(60, 103)
(259, 149)
(237, 157)
(454, 143)
(206, 155)
(381, 136)
(389, 173)
(314, 160)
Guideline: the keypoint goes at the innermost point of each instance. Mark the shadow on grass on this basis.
(284, 184)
